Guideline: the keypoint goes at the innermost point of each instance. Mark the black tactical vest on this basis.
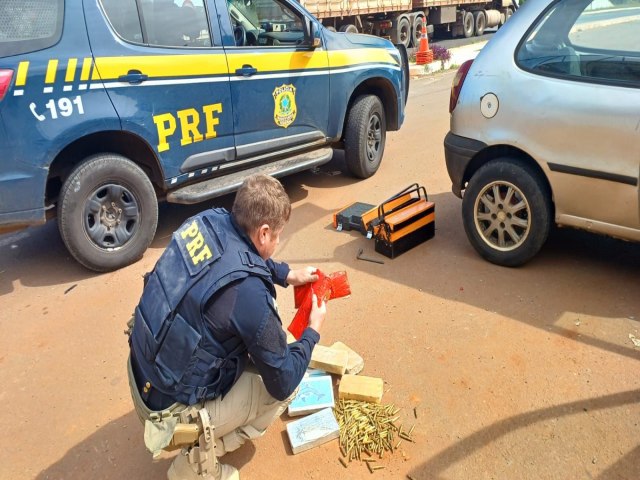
(174, 350)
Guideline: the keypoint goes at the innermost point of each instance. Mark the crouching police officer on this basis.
(209, 365)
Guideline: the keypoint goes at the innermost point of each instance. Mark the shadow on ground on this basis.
(117, 450)
(627, 467)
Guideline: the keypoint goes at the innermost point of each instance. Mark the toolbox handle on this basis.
(414, 187)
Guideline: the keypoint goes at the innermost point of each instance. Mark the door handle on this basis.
(246, 70)
(133, 76)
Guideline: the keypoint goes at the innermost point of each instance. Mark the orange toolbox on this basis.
(396, 225)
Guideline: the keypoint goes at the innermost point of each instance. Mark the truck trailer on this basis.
(402, 20)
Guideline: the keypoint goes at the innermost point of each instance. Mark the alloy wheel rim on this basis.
(502, 216)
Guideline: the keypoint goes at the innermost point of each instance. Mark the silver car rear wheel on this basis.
(507, 211)
(502, 216)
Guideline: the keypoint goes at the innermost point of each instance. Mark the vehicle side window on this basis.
(124, 18)
(265, 23)
(27, 26)
(166, 23)
(596, 42)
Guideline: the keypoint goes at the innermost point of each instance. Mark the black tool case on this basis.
(350, 217)
(403, 221)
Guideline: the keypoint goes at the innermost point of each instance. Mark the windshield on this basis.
(244, 11)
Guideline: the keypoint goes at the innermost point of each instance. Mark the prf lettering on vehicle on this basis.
(189, 119)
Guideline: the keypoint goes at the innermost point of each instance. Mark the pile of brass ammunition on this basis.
(368, 430)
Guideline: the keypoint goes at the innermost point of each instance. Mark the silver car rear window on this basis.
(589, 40)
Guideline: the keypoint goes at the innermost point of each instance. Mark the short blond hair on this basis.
(261, 200)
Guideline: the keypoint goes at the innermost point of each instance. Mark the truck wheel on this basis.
(107, 212)
(480, 21)
(365, 136)
(468, 25)
(349, 28)
(506, 212)
(418, 23)
(401, 32)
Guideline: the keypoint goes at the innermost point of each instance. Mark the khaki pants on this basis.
(244, 413)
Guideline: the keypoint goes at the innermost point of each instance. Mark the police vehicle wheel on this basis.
(365, 136)
(507, 212)
(107, 212)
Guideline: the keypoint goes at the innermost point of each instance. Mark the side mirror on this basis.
(314, 34)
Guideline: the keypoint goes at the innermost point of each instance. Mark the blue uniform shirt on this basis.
(244, 312)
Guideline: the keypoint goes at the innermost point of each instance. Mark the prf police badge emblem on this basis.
(285, 110)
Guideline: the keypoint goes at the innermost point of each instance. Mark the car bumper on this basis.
(458, 153)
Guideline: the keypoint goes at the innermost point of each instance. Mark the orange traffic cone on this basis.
(424, 55)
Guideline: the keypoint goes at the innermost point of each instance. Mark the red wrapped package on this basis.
(334, 285)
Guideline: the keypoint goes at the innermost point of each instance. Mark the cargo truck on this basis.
(402, 20)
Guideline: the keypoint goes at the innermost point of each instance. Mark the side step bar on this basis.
(215, 187)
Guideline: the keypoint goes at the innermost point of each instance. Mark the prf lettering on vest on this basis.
(198, 250)
(189, 119)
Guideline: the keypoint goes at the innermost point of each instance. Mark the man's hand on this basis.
(316, 318)
(302, 276)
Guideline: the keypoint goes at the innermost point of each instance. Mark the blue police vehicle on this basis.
(109, 106)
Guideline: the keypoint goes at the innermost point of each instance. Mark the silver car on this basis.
(545, 126)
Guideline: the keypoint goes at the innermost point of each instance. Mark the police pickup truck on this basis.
(108, 106)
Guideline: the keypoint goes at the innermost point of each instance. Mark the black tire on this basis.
(404, 64)
(401, 32)
(349, 28)
(107, 212)
(508, 231)
(468, 25)
(418, 23)
(365, 135)
(480, 22)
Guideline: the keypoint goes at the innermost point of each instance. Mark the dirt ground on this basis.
(525, 373)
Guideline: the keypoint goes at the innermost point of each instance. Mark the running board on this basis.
(215, 187)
